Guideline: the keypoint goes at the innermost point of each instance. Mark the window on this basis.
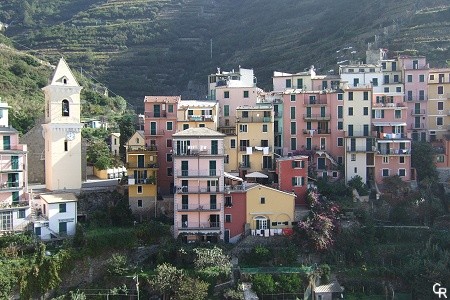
(383, 65)
(366, 111)
(298, 164)
(169, 171)
(440, 105)
(293, 144)
(243, 127)
(300, 83)
(264, 143)
(170, 108)
(401, 159)
(139, 203)
(439, 121)
(288, 83)
(139, 189)
(385, 159)
(228, 201)
(409, 78)
(292, 97)
(262, 200)
(201, 125)
(226, 160)
(398, 89)
(62, 207)
(431, 77)
(440, 158)
(168, 156)
(440, 90)
(245, 114)
(350, 96)
(421, 95)
(226, 94)
(421, 78)
(340, 112)
(340, 125)
(409, 95)
(65, 108)
(374, 81)
(66, 146)
(353, 157)
(264, 128)
(351, 70)
(386, 89)
(185, 126)
(385, 172)
(350, 111)
(366, 96)
(298, 181)
(226, 110)
(227, 218)
(340, 96)
(169, 125)
(401, 172)
(21, 213)
(37, 231)
(292, 113)
(293, 128)
(232, 143)
(396, 78)
(169, 143)
(245, 94)
(340, 142)
(398, 114)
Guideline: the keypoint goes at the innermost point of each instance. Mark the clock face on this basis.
(70, 135)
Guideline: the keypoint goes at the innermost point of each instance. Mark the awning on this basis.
(389, 123)
(256, 175)
(229, 176)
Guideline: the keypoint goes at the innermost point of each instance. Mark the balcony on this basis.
(199, 190)
(309, 102)
(234, 188)
(361, 149)
(199, 207)
(318, 117)
(253, 119)
(316, 131)
(142, 148)
(244, 165)
(199, 152)
(417, 126)
(155, 132)
(8, 185)
(198, 225)
(227, 130)
(14, 204)
(141, 166)
(392, 136)
(153, 114)
(149, 180)
(418, 112)
(391, 151)
(200, 118)
(199, 173)
(278, 114)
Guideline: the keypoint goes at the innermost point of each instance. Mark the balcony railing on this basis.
(390, 151)
(230, 188)
(141, 166)
(199, 173)
(198, 225)
(142, 148)
(316, 131)
(198, 207)
(278, 114)
(324, 117)
(199, 190)
(10, 185)
(309, 102)
(155, 132)
(418, 126)
(150, 180)
(197, 152)
(200, 118)
(362, 149)
(153, 114)
(418, 112)
(252, 119)
(244, 165)
(7, 204)
(392, 136)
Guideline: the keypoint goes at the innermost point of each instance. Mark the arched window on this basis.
(65, 108)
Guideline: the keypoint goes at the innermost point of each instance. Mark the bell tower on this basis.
(62, 130)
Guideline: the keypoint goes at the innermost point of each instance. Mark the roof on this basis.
(62, 71)
(196, 103)
(162, 99)
(198, 132)
(332, 287)
(250, 186)
(229, 176)
(59, 198)
(294, 157)
(256, 175)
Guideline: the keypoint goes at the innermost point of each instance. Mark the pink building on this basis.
(235, 208)
(415, 73)
(159, 125)
(292, 176)
(199, 184)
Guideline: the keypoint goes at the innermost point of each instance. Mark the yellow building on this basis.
(142, 168)
(195, 113)
(252, 147)
(269, 210)
(438, 106)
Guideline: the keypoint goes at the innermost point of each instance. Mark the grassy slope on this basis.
(142, 47)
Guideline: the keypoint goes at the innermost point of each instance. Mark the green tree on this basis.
(117, 265)
(212, 262)
(98, 154)
(263, 284)
(289, 283)
(422, 159)
(127, 129)
(166, 280)
(192, 289)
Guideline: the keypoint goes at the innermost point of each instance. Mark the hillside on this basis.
(21, 78)
(150, 47)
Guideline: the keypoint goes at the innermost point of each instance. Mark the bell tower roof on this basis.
(62, 75)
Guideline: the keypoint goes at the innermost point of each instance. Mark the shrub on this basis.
(263, 284)
(117, 265)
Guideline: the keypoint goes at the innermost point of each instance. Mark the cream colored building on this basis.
(62, 130)
(196, 113)
(438, 107)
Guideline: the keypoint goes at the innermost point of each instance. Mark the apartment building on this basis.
(438, 106)
(159, 125)
(199, 184)
(142, 170)
(415, 73)
(292, 176)
(195, 113)
(14, 202)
